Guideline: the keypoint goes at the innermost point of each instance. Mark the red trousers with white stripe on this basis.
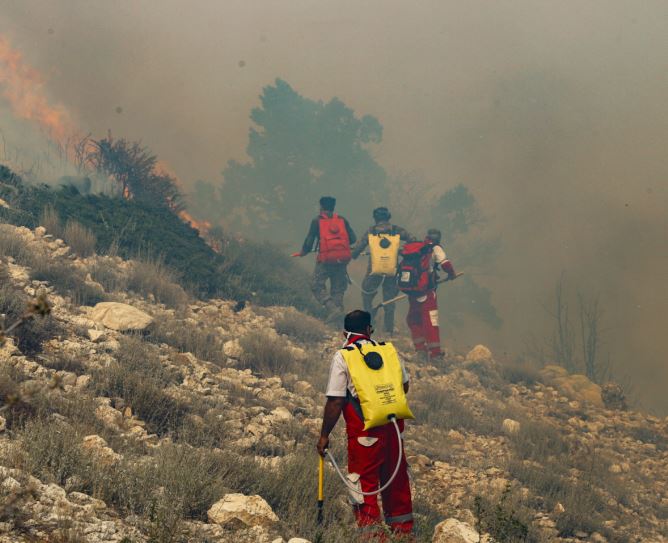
(373, 455)
(422, 319)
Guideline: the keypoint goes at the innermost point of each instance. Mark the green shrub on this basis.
(80, 239)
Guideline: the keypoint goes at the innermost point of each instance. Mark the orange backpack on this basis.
(334, 244)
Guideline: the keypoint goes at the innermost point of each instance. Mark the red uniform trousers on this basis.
(422, 319)
(375, 464)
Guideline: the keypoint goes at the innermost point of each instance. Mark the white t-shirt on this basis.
(438, 255)
(339, 376)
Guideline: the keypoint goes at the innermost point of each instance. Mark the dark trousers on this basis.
(370, 287)
(338, 283)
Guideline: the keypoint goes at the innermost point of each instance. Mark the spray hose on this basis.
(394, 473)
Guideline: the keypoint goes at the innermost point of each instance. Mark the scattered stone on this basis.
(249, 510)
(615, 468)
(233, 349)
(480, 353)
(120, 317)
(559, 509)
(454, 531)
(100, 450)
(97, 336)
(510, 427)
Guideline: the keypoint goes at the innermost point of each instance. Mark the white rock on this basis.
(40, 231)
(510, 427)
(120, 317)
(559, 509)
(97, 336)
(98, 447)
(454, 531)
(280, 414)
(233, 349)
(112, 418)
(3, 424)
(249, 510)
(298, 540)
(479, 353)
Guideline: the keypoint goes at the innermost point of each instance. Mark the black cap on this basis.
(381, 214)
(328, 203)
(357, 321)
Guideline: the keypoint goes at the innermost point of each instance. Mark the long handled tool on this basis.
(321, 494)
(402, 296)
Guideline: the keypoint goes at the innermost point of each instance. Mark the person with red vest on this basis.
(422, 318)
(372, 454)
(333, 236)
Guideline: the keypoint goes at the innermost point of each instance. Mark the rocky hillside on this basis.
(128, 420)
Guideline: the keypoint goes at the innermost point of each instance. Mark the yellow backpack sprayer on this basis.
(376, 373)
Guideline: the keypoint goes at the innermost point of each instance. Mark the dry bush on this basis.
(266, 354)
(187, 337)
(300, 326)
(442, 408)
(32, 333)
(521, 372)
(50, 220)
(80, 239)
(12, 244)
(154, 278)
(140, 379)
(53, 452)
(106, 273)
(63, 361)
(67, 280)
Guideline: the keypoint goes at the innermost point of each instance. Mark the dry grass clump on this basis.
(139, 378)
(300, 326)
(266, 354)
(50, 220)
(12, 244)
(67, 280)
(188, 337)
(154, 278)
(62, 361)
(80, 239)
(440, 407)
(105, 272)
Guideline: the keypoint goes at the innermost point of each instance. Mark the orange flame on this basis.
(23, 87)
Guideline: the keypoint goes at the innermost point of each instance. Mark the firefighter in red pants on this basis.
(422, 318)
(373, 453)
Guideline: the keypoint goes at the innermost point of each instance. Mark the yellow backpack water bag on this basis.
(375, 371)
(384, 249)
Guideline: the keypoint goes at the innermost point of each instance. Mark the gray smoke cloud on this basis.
(553, 113)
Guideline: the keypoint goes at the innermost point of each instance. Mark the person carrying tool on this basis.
(368, 384)
(417, 277)
(383, 240)
(333, 237)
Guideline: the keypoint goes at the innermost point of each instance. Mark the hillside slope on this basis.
(127, 437)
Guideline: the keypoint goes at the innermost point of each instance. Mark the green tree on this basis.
(133, 168)
(301, 149)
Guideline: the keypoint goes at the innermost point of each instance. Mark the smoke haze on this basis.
(553, 113)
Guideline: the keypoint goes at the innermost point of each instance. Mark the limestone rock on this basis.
(480, 353)
(249, 510)
(454, 531)
(3, 424)
(110, 417)
(96, 336)
(510, 427)
(233, 349)
(298, 540)
(576, 387)
(99, 449)
(120, 317)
